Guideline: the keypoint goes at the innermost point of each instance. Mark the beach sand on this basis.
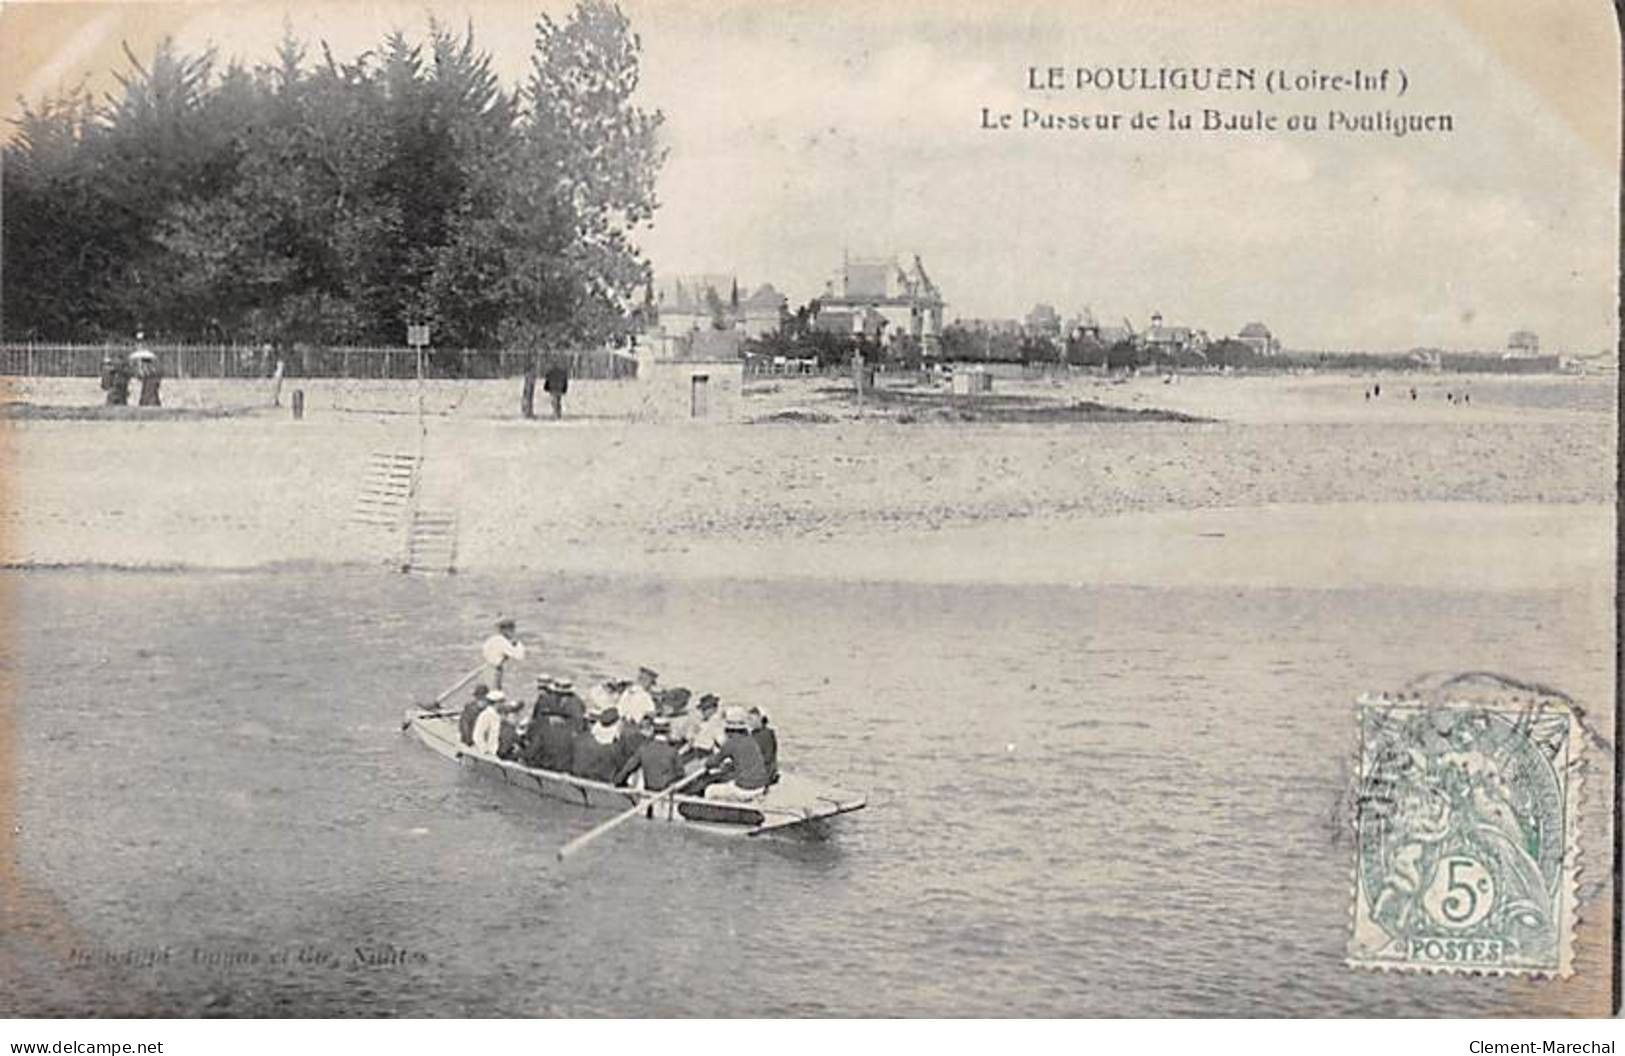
(1289, 467)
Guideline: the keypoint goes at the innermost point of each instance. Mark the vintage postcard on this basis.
(661, 508)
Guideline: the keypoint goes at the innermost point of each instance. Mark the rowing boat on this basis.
(793, 805)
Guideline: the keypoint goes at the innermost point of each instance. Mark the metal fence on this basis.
(243, 361)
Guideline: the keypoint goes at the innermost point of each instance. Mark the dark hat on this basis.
(563, 685)
(708, 701)
(506, 621)
(651, 672)
(481, 689)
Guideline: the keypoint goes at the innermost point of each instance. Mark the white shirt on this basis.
(488, 731)
(599, 697)
(710, 733)
(498, 650)
(635, 703)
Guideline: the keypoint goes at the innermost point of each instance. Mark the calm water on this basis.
(1114, 801)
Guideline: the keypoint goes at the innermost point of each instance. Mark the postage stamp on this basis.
(1465, 835)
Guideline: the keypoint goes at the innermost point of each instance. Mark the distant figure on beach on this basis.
(144, 365)
(499, 649)
(527, 394)
(115, 381)
(1368, 395)
(1376, 390)
(1466, 397)
(557, 382)
(1413, 392)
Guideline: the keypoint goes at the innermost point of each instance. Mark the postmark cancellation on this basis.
(1466, 836)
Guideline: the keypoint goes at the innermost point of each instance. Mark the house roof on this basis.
(765, 297)
(1160, 335)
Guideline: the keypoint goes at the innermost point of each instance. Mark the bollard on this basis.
(298, 404)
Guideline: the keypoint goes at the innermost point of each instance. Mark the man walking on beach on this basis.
(527, 395)
(557, 382)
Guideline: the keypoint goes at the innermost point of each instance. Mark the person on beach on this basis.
(556, 382)
(657, 759)
(741, 774)
(500, 648)
(116, 381)
(471, 713)
(144, 365)
(527, 392)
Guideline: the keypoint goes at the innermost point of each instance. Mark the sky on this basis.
(802, 131)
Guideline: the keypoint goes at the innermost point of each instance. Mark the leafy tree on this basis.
(340, 200)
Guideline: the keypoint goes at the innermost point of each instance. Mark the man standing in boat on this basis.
(500, 648)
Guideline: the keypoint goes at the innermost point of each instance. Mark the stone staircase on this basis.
(411, 508)
(431, 542)
(387, 485)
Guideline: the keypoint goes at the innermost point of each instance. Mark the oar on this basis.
(587, 837)
(428, 709)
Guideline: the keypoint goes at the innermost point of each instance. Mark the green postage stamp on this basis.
(1465, 835)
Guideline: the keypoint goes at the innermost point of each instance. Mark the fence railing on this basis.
(24, 359)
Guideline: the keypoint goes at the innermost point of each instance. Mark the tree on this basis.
(338, 201)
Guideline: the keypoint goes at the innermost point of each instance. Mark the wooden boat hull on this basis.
(792, 805)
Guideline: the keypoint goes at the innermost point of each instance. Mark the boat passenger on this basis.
(570, 705)
(657, 759)
(708, 733)
(500, 648)
(488, 726)
(673, 701)
(550, 741)
(637, 700)
(737, 762)
(601, 695)
(471, 712)
(767, 740)
(597, 751)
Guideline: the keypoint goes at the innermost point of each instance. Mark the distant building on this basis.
(874, 295)
(1523, 343)
(761, 313)
(1172, 339)
(686, 303)
(693, 302)
(1257, 336)
(1043, 321)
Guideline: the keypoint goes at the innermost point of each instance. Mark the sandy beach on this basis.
(1393, 490)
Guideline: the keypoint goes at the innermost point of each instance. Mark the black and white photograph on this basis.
(661, 509)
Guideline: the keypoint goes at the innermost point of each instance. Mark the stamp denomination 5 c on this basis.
(1465, 836)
